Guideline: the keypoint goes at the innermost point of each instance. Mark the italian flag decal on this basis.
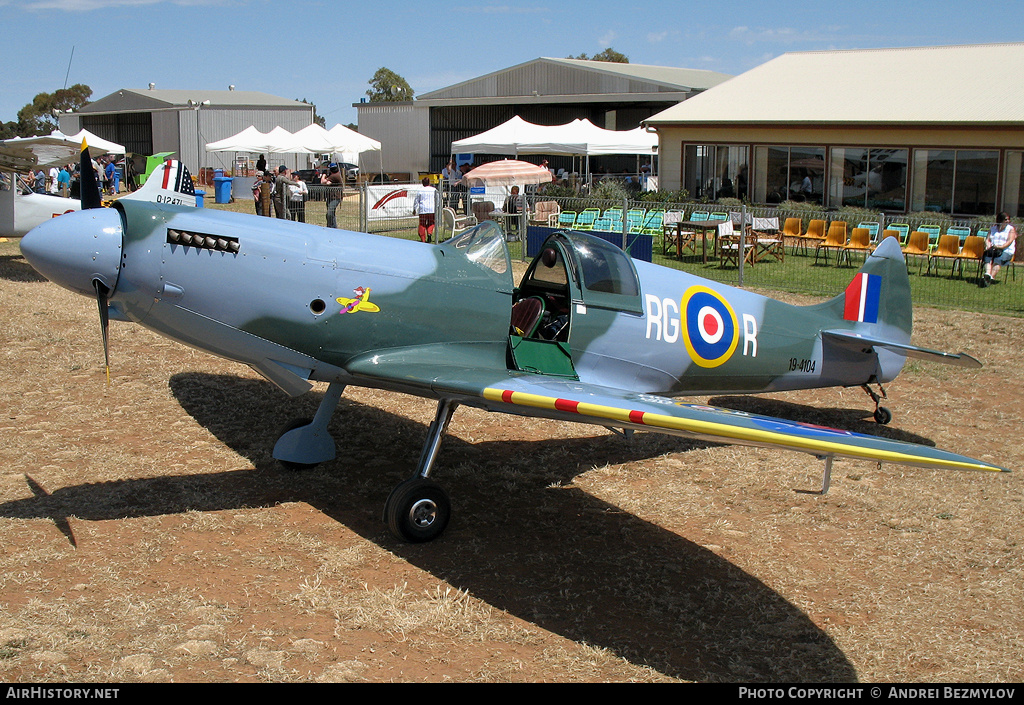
(862, 298)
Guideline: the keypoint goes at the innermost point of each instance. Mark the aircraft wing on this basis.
(24, 153)
(544, 396)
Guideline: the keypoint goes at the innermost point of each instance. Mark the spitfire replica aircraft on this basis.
(588, 335)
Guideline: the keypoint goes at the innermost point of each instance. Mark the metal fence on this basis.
(645, 229)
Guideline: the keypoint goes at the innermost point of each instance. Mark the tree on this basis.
(608, 54)
(37, 118)
(387, 86)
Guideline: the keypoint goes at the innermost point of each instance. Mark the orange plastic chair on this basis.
(815, 234)
(835, 240)
(860, 241)
(948, 247)
(895, 234)
(917, 246)
(972, 250)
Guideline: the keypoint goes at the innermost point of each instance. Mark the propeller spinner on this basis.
(81, 251)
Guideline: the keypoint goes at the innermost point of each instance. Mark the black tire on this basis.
(417, 510)
(883, 415)
(291, 426)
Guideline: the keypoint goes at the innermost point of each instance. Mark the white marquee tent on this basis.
(347, 144)
(309, 140)
(579, 137)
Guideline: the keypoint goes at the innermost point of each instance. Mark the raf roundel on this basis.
(710, 332)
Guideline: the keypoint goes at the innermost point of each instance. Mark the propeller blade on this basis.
(88, 184)
(101, 301)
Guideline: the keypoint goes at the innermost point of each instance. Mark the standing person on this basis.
(261, 165)
(129, 174)
(280, 195)
(335, 194)
(424, 208)
(51, 180)
(297, 194)
(40, 183)
(450, 175)
(1000, 244)
(514, 205)
(64, 181)
(257, 192)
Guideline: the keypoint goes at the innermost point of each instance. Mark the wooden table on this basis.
(692, 228)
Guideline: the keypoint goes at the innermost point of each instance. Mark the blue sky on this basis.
(326, 51)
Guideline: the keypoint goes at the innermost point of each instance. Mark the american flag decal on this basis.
(862, 298)
(182, 177)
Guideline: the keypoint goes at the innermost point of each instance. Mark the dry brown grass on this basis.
(147, 535)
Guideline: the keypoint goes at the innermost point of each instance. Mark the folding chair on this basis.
(872, 229)
(903, 229)
(767, 239)
(728, 245)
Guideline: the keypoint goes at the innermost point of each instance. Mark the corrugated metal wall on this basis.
(402, 129)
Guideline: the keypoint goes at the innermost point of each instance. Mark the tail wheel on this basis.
(417, 510)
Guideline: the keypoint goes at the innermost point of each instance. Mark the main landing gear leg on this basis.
(307, 444)
(418, 509)
(882, 414)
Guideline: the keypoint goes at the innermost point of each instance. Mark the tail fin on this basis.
(875, 311)
(170, 182)
(877, 300)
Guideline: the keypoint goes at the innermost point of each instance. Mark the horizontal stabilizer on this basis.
(858, 341)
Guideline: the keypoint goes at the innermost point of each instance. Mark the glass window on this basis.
(868, 178)
(955, 181)
(716, 171)
(485, 245)
(974, 185)
(605, 267)
(1013, 184)
(789, 174)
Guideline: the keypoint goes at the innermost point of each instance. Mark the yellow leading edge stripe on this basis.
(721, 430)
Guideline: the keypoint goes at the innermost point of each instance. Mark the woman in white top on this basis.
(297, 194)
(1000, 245)
(424, 208)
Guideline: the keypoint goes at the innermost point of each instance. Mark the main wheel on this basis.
(417, 510)
(883, 415)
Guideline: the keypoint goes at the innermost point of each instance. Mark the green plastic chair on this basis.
(585, 219)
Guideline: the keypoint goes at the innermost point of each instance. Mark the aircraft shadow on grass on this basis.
(523, 542)
(14, 268)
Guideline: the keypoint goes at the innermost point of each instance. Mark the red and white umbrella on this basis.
(506, 172)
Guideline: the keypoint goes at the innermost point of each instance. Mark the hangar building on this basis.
(417, 135)
(162, 120)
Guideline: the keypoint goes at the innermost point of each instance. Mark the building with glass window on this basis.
(901, 130)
